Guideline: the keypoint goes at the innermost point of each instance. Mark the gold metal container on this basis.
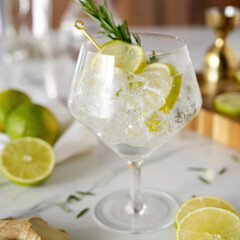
(221, 61)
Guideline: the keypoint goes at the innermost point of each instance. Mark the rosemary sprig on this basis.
(72, 197)
(85, 193)
(105, 17)
(153, 58)
(64, 207)
(197, 169)
(84, 211)
(222, 171)
(204, 180)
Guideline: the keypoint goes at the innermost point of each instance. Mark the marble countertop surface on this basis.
(103, 172)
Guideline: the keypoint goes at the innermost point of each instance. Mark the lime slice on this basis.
(9, 99)
(209, 224)
(129, 57)
(32, 120)
(173, 94)
(228, 103)
(200, 202)
(165, 78)
(155, 67)
(27, 161)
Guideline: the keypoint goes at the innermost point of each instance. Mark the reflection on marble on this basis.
(103, 172)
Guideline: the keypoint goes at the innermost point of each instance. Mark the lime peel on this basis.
(153, 122)
(32, 120)
(228, 103)
(9, 99)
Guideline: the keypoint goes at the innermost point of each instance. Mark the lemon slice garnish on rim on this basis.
(128, 57)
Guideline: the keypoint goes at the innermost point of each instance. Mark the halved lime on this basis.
(228, 103)
(128, 57)
(209, 224)
(9, 99)
(165, 78)
(27, 161)
(195, 203)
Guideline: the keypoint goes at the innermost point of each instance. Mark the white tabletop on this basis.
(103, 172)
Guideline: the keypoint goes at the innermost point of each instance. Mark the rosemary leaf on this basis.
(193, 196)
(64, 207)
(235, 158)
(102, 14)
(204, 180)
(75, 2)
(197, 169)
(137, 39)
(85, 193)
(153, 58)
(84, 211)
(72, 197)
(222, 171)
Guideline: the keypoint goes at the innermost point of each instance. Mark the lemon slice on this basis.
(200, 202)
(27, 161)
(209, 224)
(164, 85)
(128, 57)
(228, 103)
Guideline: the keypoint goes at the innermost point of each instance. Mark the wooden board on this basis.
(209, 122)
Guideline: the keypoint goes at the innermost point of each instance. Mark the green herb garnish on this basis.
(102, 14)
(85, 193)
(64, 207)
(84, 211)
(235, 158)
(72, 197)
(204, 180)
(153, 58)
(197, 169)
(222, 171)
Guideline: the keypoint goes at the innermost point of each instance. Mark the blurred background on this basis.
(153, 12)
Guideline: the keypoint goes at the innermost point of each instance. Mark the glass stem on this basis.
(136, 203)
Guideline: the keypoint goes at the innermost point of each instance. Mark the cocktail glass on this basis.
(125, 110)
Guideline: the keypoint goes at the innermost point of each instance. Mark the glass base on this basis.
(115, 213)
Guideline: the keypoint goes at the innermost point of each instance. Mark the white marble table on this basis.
(103, 172)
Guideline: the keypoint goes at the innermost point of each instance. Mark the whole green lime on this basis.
(32, 120)
(9, 99)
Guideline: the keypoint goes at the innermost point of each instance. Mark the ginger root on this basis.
(30, 229)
